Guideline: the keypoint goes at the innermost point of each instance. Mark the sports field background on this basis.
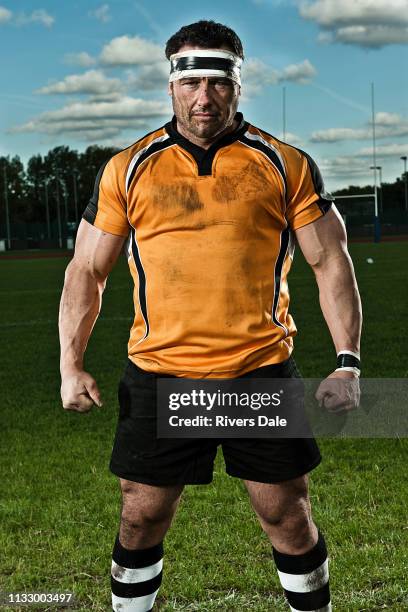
(59, 504)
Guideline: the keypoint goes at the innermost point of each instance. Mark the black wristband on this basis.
(344, 360)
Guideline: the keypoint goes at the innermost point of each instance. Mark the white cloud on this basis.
(256, 74)
(106, 97)
(372, 36)
(387, 125)
(79, 59)
(149, 78)
(387, 150)
(366, 23)
(343, 166)
(91, 82)
(331, 13)
(298, 73)
(382, 118)
(126, 51)
(84, 118)
(5, 15)
(338, 134)
(38, 16)
(101, 13)
(291, 139)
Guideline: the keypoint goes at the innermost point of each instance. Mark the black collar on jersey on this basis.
(205, 157)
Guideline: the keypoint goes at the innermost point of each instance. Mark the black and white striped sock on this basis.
(305, 578)
(136, 577)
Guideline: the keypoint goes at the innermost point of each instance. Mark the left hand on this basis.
(339, 392)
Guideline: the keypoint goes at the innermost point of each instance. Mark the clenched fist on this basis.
(79, 391)
(339, 392)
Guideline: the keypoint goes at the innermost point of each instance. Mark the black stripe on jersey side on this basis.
(255, 144)
(314, 600)
(323, 203)
(142, 282)
(91, 210)
(278, 274)
(154, 148)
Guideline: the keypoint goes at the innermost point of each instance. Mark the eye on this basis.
(190, 83)
(221, 83)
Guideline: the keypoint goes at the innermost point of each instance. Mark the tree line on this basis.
(63, 175)
(67, 177)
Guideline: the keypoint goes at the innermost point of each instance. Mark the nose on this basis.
(203, 94)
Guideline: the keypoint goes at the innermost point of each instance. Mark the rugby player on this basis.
(209, 206)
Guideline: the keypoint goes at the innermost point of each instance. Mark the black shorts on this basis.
(140, 456)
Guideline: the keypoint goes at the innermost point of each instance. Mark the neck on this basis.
(205, 143)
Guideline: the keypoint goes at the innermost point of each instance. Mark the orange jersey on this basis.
(210, 246)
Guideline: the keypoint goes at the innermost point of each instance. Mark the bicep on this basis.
(323, 239)
(96, 251)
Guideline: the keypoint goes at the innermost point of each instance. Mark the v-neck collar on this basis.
(205, 157)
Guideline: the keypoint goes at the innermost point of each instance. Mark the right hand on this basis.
(79, 391)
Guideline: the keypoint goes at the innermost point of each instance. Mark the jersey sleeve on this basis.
(107, 209)
(307, 199)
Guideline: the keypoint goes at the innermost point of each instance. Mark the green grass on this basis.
(59, 504)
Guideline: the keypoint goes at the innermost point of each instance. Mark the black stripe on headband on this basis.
(204, 63)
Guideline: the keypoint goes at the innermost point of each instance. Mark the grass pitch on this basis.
(59, 504)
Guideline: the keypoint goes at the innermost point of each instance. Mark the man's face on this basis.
(204, 106)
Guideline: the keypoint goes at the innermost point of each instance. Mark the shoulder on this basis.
(289, 154)
(124, 158)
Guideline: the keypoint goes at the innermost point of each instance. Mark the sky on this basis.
(89, 72)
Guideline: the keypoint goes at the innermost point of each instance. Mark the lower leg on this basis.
(137, 558)
(299, 548)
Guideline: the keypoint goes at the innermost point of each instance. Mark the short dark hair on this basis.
(206, 34)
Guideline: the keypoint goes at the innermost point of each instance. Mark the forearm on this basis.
(340, 301)
(79, 308)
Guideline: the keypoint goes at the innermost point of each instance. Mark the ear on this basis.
(170, 88)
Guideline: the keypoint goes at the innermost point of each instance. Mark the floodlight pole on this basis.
(47, 209)
(58, 210)
(7, 207)
(75, 198)
(377, 227)
(404, 159)
(284, 114)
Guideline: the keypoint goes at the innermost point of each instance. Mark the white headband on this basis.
(205, 62)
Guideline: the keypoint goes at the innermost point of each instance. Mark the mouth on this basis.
(205, 115)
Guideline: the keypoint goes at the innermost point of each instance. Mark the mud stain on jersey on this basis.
(250, 182)
(226, 189)
(182, 198)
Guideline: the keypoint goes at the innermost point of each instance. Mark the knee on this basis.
(290, 530)
(296, 516)
(136, 516)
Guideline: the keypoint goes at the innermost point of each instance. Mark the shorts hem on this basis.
(154, 482)
(265, 480)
